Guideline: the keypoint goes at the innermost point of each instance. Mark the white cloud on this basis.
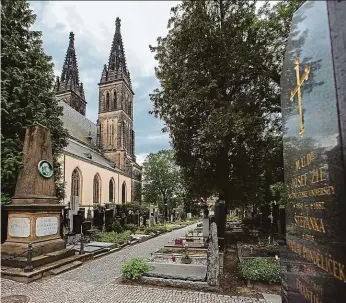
(141, 23)
(158, 137)
(140, 158)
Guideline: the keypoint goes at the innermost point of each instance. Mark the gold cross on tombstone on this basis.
(300, 82)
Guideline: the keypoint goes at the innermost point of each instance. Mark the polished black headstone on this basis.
(314, 115)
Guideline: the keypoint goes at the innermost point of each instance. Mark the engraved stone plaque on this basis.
(19, 227)
(313, 265)
(46, 226)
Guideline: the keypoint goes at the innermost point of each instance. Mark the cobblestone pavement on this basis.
(95, 282)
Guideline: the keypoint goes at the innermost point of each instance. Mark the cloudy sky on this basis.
(93, 23)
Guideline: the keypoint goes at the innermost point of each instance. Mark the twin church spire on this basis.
(115, 135)
(117, 67)
(69, 81)
(67, 87)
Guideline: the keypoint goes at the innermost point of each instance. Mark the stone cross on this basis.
(213, 257)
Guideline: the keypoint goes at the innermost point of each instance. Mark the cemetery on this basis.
(185, 263)
(248, 205)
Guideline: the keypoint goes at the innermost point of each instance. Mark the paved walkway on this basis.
(95, 282)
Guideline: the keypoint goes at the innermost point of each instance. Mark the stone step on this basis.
(37, 261)
(19, 275)
(65, 267)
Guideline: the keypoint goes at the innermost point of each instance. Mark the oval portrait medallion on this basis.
(45, 168)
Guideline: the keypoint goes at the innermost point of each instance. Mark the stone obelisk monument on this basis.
(34, 215)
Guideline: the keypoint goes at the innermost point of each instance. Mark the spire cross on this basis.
(298, 91)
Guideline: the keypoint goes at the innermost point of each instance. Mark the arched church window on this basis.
(123, 193)
(96, 189)
(115, 100)
(107, 101)
(111, 190)
(75, 184)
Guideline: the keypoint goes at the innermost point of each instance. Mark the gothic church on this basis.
(99, 163)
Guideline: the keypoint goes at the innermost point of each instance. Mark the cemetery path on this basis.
(96, 282)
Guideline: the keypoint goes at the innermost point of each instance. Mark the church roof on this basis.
(78, 125)
(88, 154)
(80, 128)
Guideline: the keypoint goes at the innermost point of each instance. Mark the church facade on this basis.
(99, 163)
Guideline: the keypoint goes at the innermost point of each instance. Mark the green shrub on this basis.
(113, 237)
(116, 227)
(272, 249)
(260, 269)
(150, 230)
(131, 227)
(134, 268)
(156, 228)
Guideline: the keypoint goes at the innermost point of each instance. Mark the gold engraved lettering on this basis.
(321, 191)
(323, 261)
(304, 161)
(298, 91)
(299, 181)
(307, 293)
(317, 175)
(311, 223)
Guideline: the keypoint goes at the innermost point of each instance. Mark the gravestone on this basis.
(213, 265)
(220, 220)
(314, 116)
(205, 228)
(86, 227)
(109, 219)
(34, 215)
(77, 224)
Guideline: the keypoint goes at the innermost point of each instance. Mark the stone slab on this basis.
(19, 227)
(178, 271)
(102, 244)
(46, 226)
(269, 298)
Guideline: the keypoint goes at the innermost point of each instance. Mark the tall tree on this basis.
(162, 179)
(26, 93)
(219, 95)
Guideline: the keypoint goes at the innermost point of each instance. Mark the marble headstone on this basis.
(313, 108)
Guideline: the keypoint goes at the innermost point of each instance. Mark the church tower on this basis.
(67, 87)
(115, 119)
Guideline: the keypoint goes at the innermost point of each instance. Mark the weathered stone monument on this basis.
(314, 115)
(34, 215)
(213, 259)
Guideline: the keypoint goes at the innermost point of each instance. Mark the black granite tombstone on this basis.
(108, 219)
(314, 118)
(77, 224)
(98, 218)
(220, 220)
(86, 227)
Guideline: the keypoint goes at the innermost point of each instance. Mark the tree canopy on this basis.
(162, 180)
(26, 93)
(219, 70)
